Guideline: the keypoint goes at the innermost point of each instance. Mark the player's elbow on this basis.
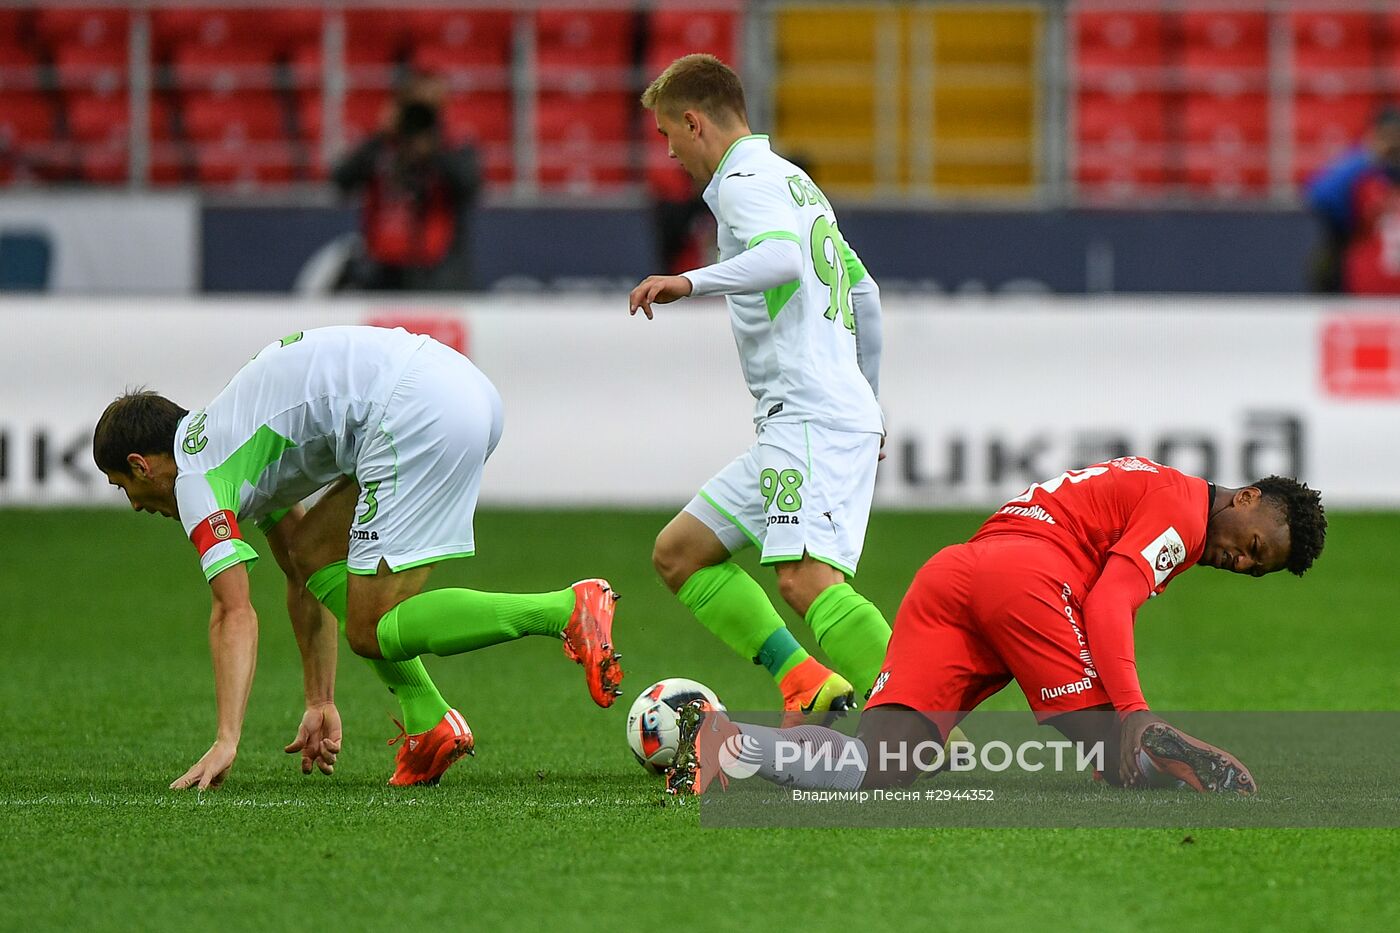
(787, 260)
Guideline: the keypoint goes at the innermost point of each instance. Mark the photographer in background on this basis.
(1357, 197)
(416, 195)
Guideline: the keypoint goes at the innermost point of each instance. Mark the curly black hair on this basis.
(1307, 523)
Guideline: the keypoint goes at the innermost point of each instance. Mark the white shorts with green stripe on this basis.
(801, 488)
(419, 468)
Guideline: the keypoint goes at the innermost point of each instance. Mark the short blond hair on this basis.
(701, 82)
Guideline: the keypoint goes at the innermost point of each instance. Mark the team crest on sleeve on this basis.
(1166, 552)
(216, 529)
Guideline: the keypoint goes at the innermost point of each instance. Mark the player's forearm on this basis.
(768, 264)
(316, 639)
(870, 330)
(233, 644)
(1109, 610)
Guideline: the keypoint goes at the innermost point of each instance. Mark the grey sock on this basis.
(807, 757)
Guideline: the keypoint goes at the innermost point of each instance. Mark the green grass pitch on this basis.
(106, 696)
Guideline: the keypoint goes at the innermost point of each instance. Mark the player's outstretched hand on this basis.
(210, 770)
(1130, 744)
(318, 738)
(657, 289)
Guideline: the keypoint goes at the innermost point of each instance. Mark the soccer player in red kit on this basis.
(1045, 593)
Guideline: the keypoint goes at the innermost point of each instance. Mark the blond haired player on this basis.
(806, 318)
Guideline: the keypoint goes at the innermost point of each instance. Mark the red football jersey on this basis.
(1371, 263)
(1151, 514)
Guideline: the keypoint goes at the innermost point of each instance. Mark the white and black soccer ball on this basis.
(652, 730)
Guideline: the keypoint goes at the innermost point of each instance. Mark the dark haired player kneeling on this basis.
(1045, 593)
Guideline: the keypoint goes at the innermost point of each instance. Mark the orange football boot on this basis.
(813, 692)
(423, 758)
(702, 732)
(588, 639)
(1202, 767)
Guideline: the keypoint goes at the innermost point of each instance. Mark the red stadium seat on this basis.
(103, 164)
(94, 118)
(1332, 40)
(25, 117)
(585, 140)
(464, 67)
(576, 38)
(1388, 43)
(584, 119)
(62, 26)
(242, 116)
(478, 117)
(1210, 173)
(1115, 177)
(362, 115)
(252, 165)
(465, 37)
(208, 28)
(98, 117)
(16, 26)
(1324, 126)
(1226, 124)
(1111, 39)
(14, 56)
(1225, 51)
(1122, 121)
(1222, 37)
(100, 67)
(676, 31)
(374, 35)
(224, 67)
(279, 28)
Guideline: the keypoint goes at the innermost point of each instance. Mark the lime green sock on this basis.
(452, 621)
(419, 700)
(852, 632)
(730, 603)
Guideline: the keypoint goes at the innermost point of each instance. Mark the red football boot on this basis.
(588, 639)
(424, 758)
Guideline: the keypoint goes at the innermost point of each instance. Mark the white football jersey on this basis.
(797, 342)
(288, 423)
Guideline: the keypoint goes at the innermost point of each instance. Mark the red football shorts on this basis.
(981, 614)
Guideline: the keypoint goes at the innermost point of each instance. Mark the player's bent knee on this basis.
(673, 561)
(801, 582)
(364, 642)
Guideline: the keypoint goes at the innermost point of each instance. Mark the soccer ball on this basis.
(651, 722)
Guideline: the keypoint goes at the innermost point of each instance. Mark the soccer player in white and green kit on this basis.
(806, 318)
(396, 429)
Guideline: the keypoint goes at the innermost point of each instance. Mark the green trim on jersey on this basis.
(364, 573)
(267, 524)
(781, 558)
(734, 521)
(242, 553)
(432, 560)
(393, 447)
(855, 269)
(775, 235)
(245, 465)
(776, 299)
(719, 169)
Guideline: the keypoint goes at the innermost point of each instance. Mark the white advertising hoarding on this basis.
(105, 243)
(981, 397)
